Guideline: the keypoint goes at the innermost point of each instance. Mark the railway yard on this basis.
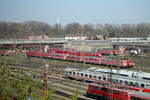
(75, 50)
(64, 89)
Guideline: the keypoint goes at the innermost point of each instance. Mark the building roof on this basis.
(78, 35)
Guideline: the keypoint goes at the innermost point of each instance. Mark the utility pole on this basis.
(46, 78)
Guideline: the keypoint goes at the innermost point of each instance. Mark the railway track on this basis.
(38, 62)
(70, 95)
(64, 87)
(70, 84)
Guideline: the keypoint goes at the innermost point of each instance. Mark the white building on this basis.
(76, 37)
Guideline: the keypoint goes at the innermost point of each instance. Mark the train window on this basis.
(116, 80)
(137, 84)
(86, 75)
(90, 76)
(104, 78)
(70, 72)
(99, 77)
(109, 79)
(81, 74)
(134, 76)
(95, 87)
(120, 81)
(131, 83)
(142, 85)
(146, 78)
(125, 82)
(123, 75)
(77, 73)
(73, 73)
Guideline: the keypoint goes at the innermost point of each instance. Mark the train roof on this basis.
(125, 72)
(89, 72)
(71, 69)
(122, 75)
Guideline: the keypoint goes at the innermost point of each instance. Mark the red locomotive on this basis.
(115, 92)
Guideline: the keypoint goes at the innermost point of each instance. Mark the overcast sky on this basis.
(82, 11)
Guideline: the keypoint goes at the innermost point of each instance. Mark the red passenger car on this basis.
(92, 54)
(118, 63)
(63, 51)
(77, 53)
(93, 60)
(59, 56)
(74, 58)
(46, 55)
(30, 53)
(108, 52)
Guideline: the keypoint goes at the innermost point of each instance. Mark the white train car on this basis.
(125, 77)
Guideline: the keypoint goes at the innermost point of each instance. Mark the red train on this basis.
(78, 56)
(116, 92)
(4, 52)
(1, 53)
(58, 56)
(115, 62)
(77, 53)
(74, 58)
(94, 60)
(108, 52)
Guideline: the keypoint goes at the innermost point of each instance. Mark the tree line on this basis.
(18, 30)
